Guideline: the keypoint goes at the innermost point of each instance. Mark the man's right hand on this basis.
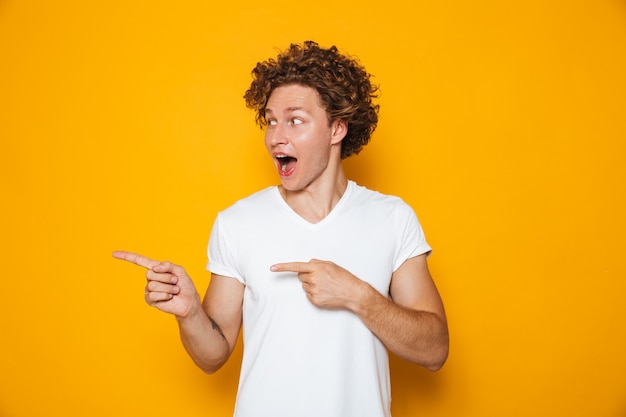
(169, 288)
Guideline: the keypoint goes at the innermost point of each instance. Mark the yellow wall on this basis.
(502, 123)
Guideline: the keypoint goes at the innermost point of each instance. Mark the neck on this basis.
(316, 201)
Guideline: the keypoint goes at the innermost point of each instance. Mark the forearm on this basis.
(418, 336)
(203, 340)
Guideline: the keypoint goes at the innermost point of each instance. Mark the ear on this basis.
(339, 130)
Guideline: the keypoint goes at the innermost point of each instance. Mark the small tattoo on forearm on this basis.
(216, 327)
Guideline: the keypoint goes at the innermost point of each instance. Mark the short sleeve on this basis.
(413, 241)
(222, 253)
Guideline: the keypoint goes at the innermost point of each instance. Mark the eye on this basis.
(270, 122)
(296, 121)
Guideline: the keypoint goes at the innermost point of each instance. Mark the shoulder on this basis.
(374, 200)
(252, 203)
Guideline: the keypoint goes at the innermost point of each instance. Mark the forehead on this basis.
(294, 97)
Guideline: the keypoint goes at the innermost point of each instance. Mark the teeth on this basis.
(283, 161)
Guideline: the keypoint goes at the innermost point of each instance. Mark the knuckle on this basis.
(155, 297)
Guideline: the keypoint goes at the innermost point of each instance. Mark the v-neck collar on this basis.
(333, 213)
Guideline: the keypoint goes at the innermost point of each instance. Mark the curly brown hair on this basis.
(342, 84)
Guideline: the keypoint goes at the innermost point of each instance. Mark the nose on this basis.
(276, 135)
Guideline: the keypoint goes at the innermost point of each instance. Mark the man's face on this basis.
(299, 138)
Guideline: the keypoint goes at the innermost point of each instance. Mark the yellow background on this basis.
(502, 123)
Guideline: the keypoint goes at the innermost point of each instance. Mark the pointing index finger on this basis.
(291, 267)
(135, 258)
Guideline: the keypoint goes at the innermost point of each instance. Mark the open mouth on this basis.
(286, 162)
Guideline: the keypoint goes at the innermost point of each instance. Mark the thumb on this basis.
(166, 267)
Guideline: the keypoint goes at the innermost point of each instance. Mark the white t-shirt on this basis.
(300, 360)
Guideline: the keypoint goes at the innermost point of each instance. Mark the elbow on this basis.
(439, 356)
(432, 358)
(437, 364)
(209, 369)
(209, 362)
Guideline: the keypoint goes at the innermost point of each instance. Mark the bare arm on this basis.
(208, 330)
(412, 324)
(211, 337)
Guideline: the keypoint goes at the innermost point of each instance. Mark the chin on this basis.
(290, 185)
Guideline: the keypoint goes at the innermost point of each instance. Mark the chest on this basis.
(367, 251)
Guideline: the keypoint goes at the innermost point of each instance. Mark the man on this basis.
(324, 275)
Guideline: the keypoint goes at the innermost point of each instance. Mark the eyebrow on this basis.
(287, 110)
